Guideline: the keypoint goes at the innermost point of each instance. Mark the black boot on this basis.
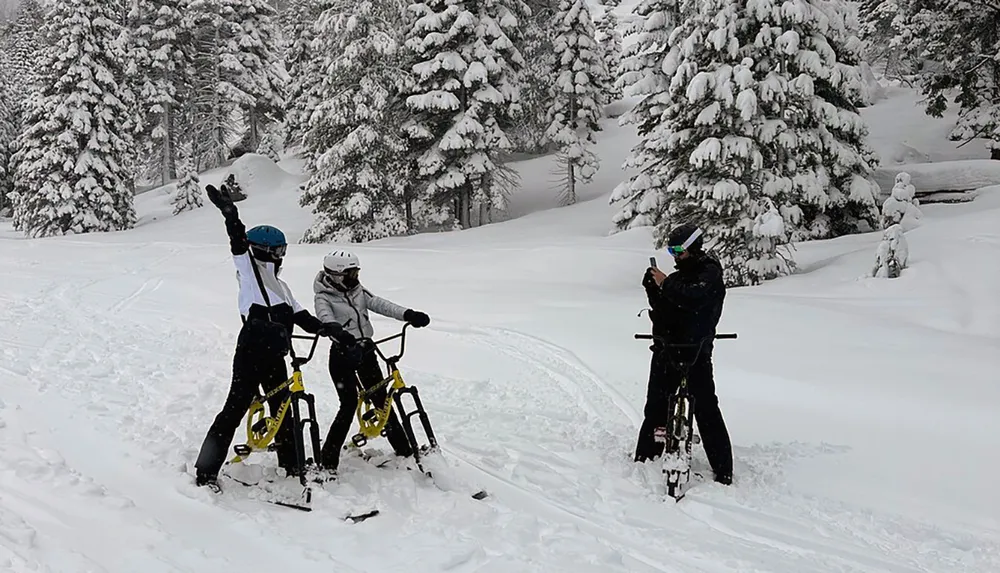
(209, 481)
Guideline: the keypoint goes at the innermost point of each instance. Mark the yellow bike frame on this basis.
(260, 440)
(368, 427)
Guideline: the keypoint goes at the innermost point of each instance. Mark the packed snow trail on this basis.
(116, 356)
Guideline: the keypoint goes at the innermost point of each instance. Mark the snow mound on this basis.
(967, 175)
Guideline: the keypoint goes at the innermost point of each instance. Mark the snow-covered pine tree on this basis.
(355, 131)
(577, 95)
(967, 70)
(269, 145)
(188, 195)
(162, 51)
(8, 132)
(641, 75)
(527, 135)
(70, 176)
(263, 76)
(892, 253)
(23, 46)
(609, 39)
(902, 206)
(881, 27)
(298, 20)
(814, 48)
(711, 147)
(464, 93)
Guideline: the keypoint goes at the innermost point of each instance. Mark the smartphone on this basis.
(652, 262)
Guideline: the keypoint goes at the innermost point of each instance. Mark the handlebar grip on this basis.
(643, 336)
(729, 336)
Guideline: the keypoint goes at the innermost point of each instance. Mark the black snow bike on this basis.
(372, 420)
(262, 429)
(678, 435)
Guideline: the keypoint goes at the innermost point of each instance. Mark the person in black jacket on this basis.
(269, 313)
(685, 309)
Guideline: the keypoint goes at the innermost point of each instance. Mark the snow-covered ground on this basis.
(864, 412)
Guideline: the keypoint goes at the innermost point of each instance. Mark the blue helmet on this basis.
(267, 243)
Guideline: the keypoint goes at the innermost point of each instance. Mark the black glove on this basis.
(647, 279)
(346, 339)
(330, 329)
(416, 318)
(222, 199)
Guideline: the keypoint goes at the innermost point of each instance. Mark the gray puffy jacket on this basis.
(350, 307)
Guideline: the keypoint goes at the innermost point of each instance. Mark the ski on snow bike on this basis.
(261, 429)
(372, 420)
(678, 435)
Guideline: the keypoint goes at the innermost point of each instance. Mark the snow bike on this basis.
(372, 419)
(261, 429)
(678, 435)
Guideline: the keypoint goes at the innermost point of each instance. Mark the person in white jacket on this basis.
(341, 299)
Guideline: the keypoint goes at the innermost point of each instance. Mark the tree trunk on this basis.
(571, 184)
(995, 153)
(166, 147)
(465, 208)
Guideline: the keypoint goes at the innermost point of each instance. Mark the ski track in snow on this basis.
(550, 440)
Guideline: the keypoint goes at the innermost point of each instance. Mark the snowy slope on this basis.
(863, 412)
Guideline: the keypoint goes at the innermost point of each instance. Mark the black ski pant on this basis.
(254, 365)
(346, 378)
(664, 378)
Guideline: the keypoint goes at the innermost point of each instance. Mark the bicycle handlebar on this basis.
(291, 348)
(402, 344)
(699, 343)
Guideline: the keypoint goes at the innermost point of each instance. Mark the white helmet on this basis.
(337, 262)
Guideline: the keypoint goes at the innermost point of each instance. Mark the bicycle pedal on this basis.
(242, 450)
(359, 440)
(660, 435)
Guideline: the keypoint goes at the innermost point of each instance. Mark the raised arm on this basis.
(237, 232)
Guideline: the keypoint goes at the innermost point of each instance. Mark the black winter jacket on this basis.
(687, 306)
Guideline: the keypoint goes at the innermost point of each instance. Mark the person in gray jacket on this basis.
(341, 299)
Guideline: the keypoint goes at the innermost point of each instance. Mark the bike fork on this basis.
(299, 423)
(405, 416)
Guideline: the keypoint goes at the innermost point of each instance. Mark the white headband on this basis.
(694, 236)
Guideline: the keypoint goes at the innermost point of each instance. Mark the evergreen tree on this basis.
(465, 91)
(269, 146)
(236, 68)
(298, 24)
(712, 144)
(355, 132)
(609, 39)
(162, 53)
(641, 75)
(263, 76)
(23, 45)
(881, 27)
(527, 134)
(578, 94)
(188, 195)
(8, 132)
(813, 46)
(72, 165)
(961, 40)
